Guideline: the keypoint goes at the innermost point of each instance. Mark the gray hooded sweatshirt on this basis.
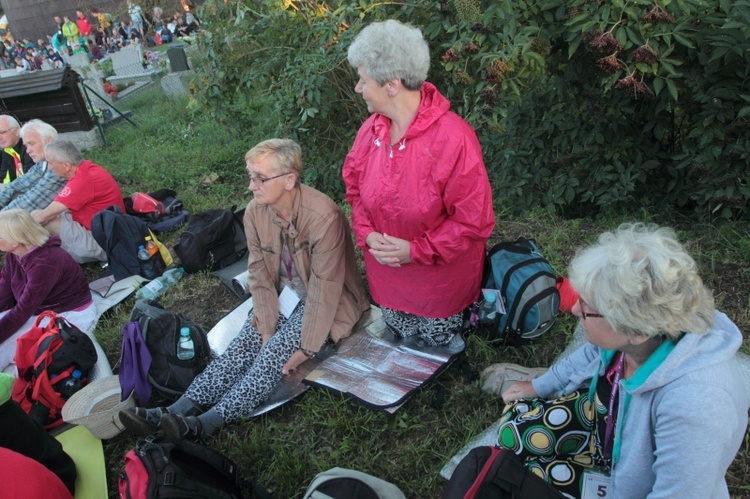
(681, 417)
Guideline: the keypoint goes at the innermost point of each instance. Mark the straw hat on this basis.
(96, 405)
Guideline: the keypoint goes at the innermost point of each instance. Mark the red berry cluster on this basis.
(451, 55)
(606, 43)
(658, 15)
(497, 71)
(609, 64)
(470, 48)
(589, 36)
(630, 84)
(646, 54)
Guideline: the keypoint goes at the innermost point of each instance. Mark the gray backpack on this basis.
(169, 375)
(341, 483)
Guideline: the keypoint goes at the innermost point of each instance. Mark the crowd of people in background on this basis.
(97, 35)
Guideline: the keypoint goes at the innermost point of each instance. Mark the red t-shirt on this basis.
(21, 476)
(91, 190)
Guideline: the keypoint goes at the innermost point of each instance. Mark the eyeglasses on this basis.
(586, 315)
(261, 180)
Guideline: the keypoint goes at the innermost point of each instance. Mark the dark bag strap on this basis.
(508, 474)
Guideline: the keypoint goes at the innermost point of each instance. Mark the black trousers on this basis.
(19, 433)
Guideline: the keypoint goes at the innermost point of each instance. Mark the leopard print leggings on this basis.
(434, 332)
(245, 374)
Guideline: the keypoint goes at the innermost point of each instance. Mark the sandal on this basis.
(178, 426)
(498, 377)
(140, 420)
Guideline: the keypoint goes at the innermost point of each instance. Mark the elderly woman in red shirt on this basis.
(421, 200)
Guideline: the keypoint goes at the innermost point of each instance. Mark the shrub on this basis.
(579, 105)
(588, 105)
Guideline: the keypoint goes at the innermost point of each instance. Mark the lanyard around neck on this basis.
(616, 373)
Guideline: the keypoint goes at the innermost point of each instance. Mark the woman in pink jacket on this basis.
(415, 178)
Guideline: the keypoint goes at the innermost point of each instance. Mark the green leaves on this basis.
(578, 105)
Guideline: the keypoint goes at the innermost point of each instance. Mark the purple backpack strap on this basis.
(135, 362)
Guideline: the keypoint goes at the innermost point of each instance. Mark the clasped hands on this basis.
(389, 250)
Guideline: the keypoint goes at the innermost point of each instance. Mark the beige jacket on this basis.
(323, 256)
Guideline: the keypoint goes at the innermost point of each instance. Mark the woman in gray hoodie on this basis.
(652, 405)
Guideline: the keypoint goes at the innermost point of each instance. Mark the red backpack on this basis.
(163, 467)
(145, 204)
(46, 356)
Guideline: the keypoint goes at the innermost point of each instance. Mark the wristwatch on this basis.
(308, 353)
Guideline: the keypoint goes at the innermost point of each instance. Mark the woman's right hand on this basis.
(382, 250)
(519, 390)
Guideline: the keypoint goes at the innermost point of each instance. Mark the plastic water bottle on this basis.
(156, 259)
(144, 260)
(71, 385)
(159, 285)
(185, 347)
(488, 309)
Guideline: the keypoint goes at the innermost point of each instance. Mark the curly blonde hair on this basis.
(643, 282)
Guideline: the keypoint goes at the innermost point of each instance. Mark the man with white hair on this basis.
(89, 190)
(38, 187)
(14, 161)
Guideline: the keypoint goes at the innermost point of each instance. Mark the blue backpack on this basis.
(527, 287)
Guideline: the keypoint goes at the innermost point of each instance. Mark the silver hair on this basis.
(12, 122)
(389, 50)
(63, 151)
(45, 130)
(643, 282)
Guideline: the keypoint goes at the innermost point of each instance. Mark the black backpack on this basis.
(495, 473)
(119, 235)
(214, 239)
(181, 469)
(169, 375)
(527, 287)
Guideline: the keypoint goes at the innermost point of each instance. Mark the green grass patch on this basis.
(174, 147)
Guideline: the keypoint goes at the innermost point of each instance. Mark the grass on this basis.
(285, 448)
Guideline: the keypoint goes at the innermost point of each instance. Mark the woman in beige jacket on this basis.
(299, 245)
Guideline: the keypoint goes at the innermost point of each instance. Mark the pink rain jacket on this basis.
(430, 188)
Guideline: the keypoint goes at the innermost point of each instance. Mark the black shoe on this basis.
(178, 426)
(141, 421)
